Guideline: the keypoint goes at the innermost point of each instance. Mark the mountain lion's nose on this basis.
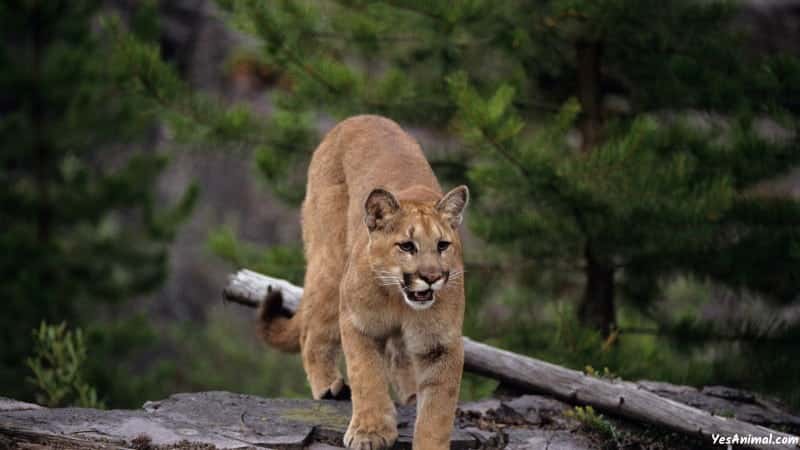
(430, 276)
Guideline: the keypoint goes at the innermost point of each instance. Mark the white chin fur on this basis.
(418, 306)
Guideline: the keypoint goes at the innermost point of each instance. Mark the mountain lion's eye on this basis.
(443, 245)
(407, 247)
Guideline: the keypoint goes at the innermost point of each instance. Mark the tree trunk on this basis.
(596, 309)
(37, 117)
(590, 94)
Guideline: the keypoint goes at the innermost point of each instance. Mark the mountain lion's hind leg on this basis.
(320, 342)
(324, 234)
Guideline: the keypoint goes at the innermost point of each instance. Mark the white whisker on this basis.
(385, 278)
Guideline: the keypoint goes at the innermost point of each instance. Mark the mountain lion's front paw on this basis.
(370, 434)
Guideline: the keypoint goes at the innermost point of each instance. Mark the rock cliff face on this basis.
(224, 420)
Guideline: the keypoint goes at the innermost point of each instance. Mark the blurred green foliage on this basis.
(282, 261)
(590, 235)
(658, 190)
(81, 229)
(614, 149)
(58, 365)
(224, 355)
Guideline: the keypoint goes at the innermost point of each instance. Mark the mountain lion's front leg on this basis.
(439, 370)
(400, 370)
(373, 425)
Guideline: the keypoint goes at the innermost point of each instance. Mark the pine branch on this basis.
(316, 76)
(577, 214)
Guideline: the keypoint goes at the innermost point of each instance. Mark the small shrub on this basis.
(593, 421)
(606, 373)
(58, 365)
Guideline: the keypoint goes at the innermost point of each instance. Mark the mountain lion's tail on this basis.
(276, 325)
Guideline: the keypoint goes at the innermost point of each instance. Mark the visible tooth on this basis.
(419, 285)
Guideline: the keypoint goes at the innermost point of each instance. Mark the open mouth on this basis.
(420, 296)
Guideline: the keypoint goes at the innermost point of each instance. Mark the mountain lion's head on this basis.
(414, 246)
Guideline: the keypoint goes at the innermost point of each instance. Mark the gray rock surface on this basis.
(224, 420)
(728, 402)
(220, 420)
(535, 438)
(7, 404)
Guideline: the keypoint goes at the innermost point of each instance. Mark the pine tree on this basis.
(80, 225)
(665, 96)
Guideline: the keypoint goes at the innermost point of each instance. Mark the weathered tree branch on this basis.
(616, 397)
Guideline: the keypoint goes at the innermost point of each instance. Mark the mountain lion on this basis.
(384, 283)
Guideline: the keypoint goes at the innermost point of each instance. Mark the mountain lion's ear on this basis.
(379, 208)
(452, 205)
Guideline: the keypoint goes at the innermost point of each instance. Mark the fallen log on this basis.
(616, 397)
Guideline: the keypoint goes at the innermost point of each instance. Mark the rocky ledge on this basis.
(223, 420)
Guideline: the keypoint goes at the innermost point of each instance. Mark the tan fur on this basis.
(353, 298)
(275, 327)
